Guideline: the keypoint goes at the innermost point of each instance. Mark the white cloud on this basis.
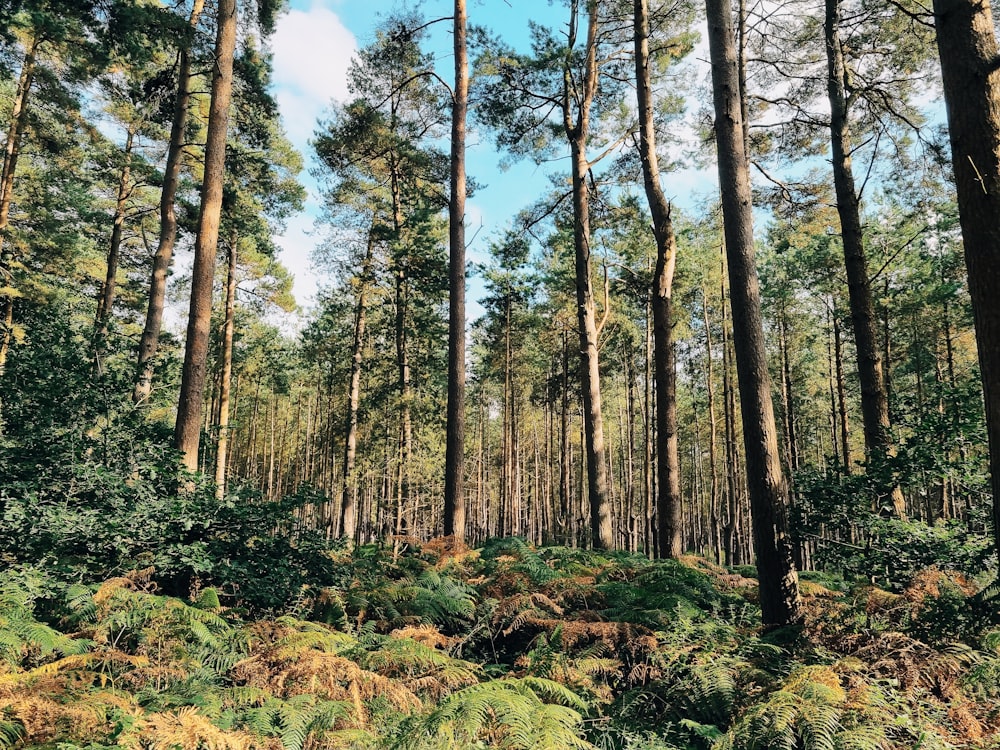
(312, 50)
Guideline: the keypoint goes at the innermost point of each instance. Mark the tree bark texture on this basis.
(349, 491)
(577, 131)
(779, 595)
(874, 397)
(226, 379)
(454, 481)
(187, 428)
(970, 68)
(668, 500)
(149, 341)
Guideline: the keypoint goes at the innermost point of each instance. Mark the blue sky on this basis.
(312, 48)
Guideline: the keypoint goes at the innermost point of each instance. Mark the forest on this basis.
(706, 474)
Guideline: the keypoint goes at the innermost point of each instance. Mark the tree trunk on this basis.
(149, 342)
(222, 448)
(779, 595)
(713, 441)
(967, 46)
(668, 495)
(577, 131)
(12, 150)
(110, 286)
(842, 420)
(186, 430)
(349, 490)
(874, 399)
(454, 472)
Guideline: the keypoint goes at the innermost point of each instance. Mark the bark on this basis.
(221, 453)
(874, 398)
(186, 430)
(970, 68)
(577, 130)
(714, 513)
(842, 420)
(149, 342)
(12, 150)
(110, 286)
(779, 596)
(454, 480)
(349, 491)
(668, 495)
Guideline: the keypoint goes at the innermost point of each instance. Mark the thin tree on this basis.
(779, 592)
(226, 377)
(970, 69)
(187, 429)
(577, 99)
(150, 339)
(11, 152)
(454, 481)
(668, 483)
(874, 395)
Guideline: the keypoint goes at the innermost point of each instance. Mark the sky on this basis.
(312, 48)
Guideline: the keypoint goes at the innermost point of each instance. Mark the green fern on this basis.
(809, 712)
(11, 731)
(529, 713)
(294, 720)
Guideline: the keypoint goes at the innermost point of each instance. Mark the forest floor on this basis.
(503, 647)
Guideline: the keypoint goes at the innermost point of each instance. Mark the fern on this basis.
(523, 714)
(11, 731)
(810, 712)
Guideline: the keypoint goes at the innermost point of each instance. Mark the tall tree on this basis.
(454, 470)
(187, 429)
(967, 45)
(668, 484)
(874, 395)
(56, 49)
(779, 593)
(149, 341)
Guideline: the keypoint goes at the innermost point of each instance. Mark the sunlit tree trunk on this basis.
(779, 595)
(668, 495)
(577, 131)
(186, 430)
(454, 482)
(967, 44)
(229, 328)
(149, 342)
(349, 490)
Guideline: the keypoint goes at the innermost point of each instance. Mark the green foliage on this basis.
(834, 509)
(91, 491)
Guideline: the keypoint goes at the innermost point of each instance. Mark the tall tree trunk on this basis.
(349, 490)
(110, 285)
(967, 45)
(229, 328)
(454, 471)
(565, 459)
(668, 495)
(149, 342)
(186, 430)
(733, 554)
(12, 150)
(842, 420)
(577, 131)
(874, 398)
(713, 440)
(779, 594)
